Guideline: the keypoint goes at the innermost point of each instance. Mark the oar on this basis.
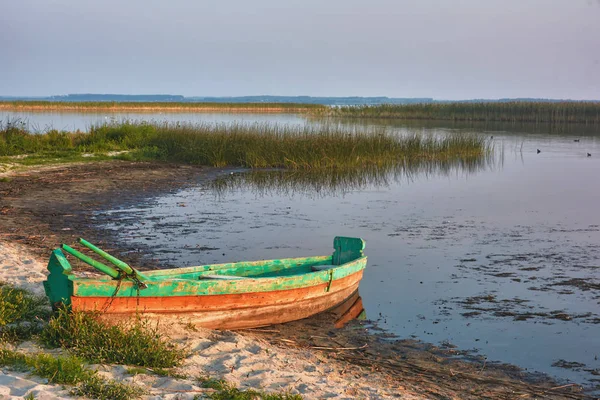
(96, 264)
(118, 263)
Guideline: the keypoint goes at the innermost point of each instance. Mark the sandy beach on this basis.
(245, 361)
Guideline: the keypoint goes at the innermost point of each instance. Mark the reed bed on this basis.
(111, 106)
(248, 145)
(583, 112)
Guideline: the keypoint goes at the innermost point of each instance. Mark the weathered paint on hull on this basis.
(231, 295)
(229, 311)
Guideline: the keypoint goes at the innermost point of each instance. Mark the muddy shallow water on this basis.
(503, 261)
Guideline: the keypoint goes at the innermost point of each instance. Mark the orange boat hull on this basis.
(229, 311)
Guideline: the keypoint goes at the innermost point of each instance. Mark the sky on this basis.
(445, 49)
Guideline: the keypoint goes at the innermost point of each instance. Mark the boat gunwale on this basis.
(168, 274)
(87, 287)
(221, 266)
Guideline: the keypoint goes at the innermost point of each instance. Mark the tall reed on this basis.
(250, 145)
(84, 106)
(515, 111)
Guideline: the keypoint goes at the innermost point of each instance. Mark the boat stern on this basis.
(58, 285)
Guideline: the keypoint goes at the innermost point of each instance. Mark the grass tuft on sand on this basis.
(226, 391)
(68, 370)
(137, 342)
(22, 314)
(88, 339)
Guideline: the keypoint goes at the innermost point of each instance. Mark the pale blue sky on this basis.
(446, 49)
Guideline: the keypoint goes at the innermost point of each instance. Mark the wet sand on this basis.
(43, 207)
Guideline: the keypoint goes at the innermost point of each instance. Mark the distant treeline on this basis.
(161, 98)
(323, 100)
(515, 111)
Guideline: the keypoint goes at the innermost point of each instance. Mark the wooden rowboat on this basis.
(220, 296)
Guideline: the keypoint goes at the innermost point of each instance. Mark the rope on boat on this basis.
(109, 302)
(138, 285)
(123, 270)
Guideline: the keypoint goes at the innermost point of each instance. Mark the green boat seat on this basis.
(323, 267)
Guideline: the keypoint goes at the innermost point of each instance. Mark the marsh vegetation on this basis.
(332, 182)
(111, 106)
(517, 111)
(245, 145)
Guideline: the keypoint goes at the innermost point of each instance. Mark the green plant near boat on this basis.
(226, 391)
(68, 370)
(248, 145)
(22, 314)
(584, 112)
(136, 343)
(170, 372)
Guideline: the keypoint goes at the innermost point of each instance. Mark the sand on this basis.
(242, 360)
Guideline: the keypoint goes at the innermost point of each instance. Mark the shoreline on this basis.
(42, 207)
(129, 107)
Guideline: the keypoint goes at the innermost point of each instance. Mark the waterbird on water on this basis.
(589, 154)
(539, 151)
(576, 140)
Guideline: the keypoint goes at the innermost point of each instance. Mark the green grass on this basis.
(156, 371)
(226, 391)
(68, 370)
(22, 314)
(165, 106)
(517, 111)
(246, 145)
(136, 343)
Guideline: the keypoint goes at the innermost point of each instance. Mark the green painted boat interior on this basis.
(238, 277)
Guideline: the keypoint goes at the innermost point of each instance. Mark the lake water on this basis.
(72, 121)
(503, 259)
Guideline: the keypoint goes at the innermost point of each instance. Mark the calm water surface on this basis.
(503, 260)
(72, 121)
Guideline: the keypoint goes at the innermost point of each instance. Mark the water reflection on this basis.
(351, 309)
(340, 182)
(499, 255)
(41, 122)
(508, 128)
